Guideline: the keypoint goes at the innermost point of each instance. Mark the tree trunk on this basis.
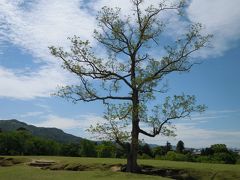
(132, 165)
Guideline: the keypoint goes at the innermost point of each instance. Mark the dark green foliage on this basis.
(106, 150)
(48, 133)
(172, 156)
(175, 156)
(207, 152)
(223, 158)
(158, 151)
(121, 152)
(23, 143)
(217, 153)
(227, 158)
(147, 150)
(219, 148)
(180, 146)
(88, 148)
(71, 149)
(22, 129)
(168, 147)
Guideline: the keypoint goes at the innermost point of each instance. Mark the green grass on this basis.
(198, 170)
(29, 173)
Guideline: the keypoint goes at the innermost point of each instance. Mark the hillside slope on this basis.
(48, 133)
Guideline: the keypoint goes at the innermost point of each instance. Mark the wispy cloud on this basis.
(32, 26)
(221, 18)
(35, 84)
(193, 136)
(31, 114)
(188, 131)
(44, 23)
(82, 122)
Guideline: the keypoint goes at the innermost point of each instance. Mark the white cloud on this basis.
(221, 18)
(33, 29)
(126, 5)
(32, 26)
(194, 136)
(82, 122)
(59, 122)
(31, 114)
(44, 23)
(203, 137)
(35, 84)
(189, 132)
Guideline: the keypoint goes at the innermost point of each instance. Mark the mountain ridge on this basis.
(43, 132)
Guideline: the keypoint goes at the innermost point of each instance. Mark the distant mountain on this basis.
(48, 133)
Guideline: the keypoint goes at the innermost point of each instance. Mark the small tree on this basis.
(219, 148)
(106, 150)
(168, 147)
(180, 146)
(146, 149)
(158, 151)
(88, 148)
(130, 77)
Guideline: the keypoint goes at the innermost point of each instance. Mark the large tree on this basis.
(129, 77)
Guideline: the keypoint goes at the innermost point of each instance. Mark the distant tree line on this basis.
(217, 153)
(22, 142)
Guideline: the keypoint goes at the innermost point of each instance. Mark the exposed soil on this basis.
(41, 163)
(178, 174)
(10, 161)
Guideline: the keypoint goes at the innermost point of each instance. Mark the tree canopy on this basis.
(129, 77)
(180, 146)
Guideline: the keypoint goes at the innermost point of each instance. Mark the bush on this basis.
(203, 159)
(238, 160)
(106, 150)
(173, 156)
(159, 157)
(144, 156)
(87, 148)
(227, 158)
(158, 151)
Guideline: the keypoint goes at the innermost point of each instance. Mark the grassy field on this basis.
(196, 170)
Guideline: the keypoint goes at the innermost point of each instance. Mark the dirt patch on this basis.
(56, 167)
(178, 174)
(76, 167)
(41, 163)
(10, 161)
(116, 168)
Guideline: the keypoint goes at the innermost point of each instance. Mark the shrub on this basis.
(227, 158)
(144, 156)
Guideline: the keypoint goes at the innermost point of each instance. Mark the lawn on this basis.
(196, 170)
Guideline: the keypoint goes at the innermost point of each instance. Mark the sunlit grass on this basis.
(198, 170)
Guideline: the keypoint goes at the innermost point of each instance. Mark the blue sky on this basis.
(29, 74)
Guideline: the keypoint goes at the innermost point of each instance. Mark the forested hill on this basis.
(48, 133)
